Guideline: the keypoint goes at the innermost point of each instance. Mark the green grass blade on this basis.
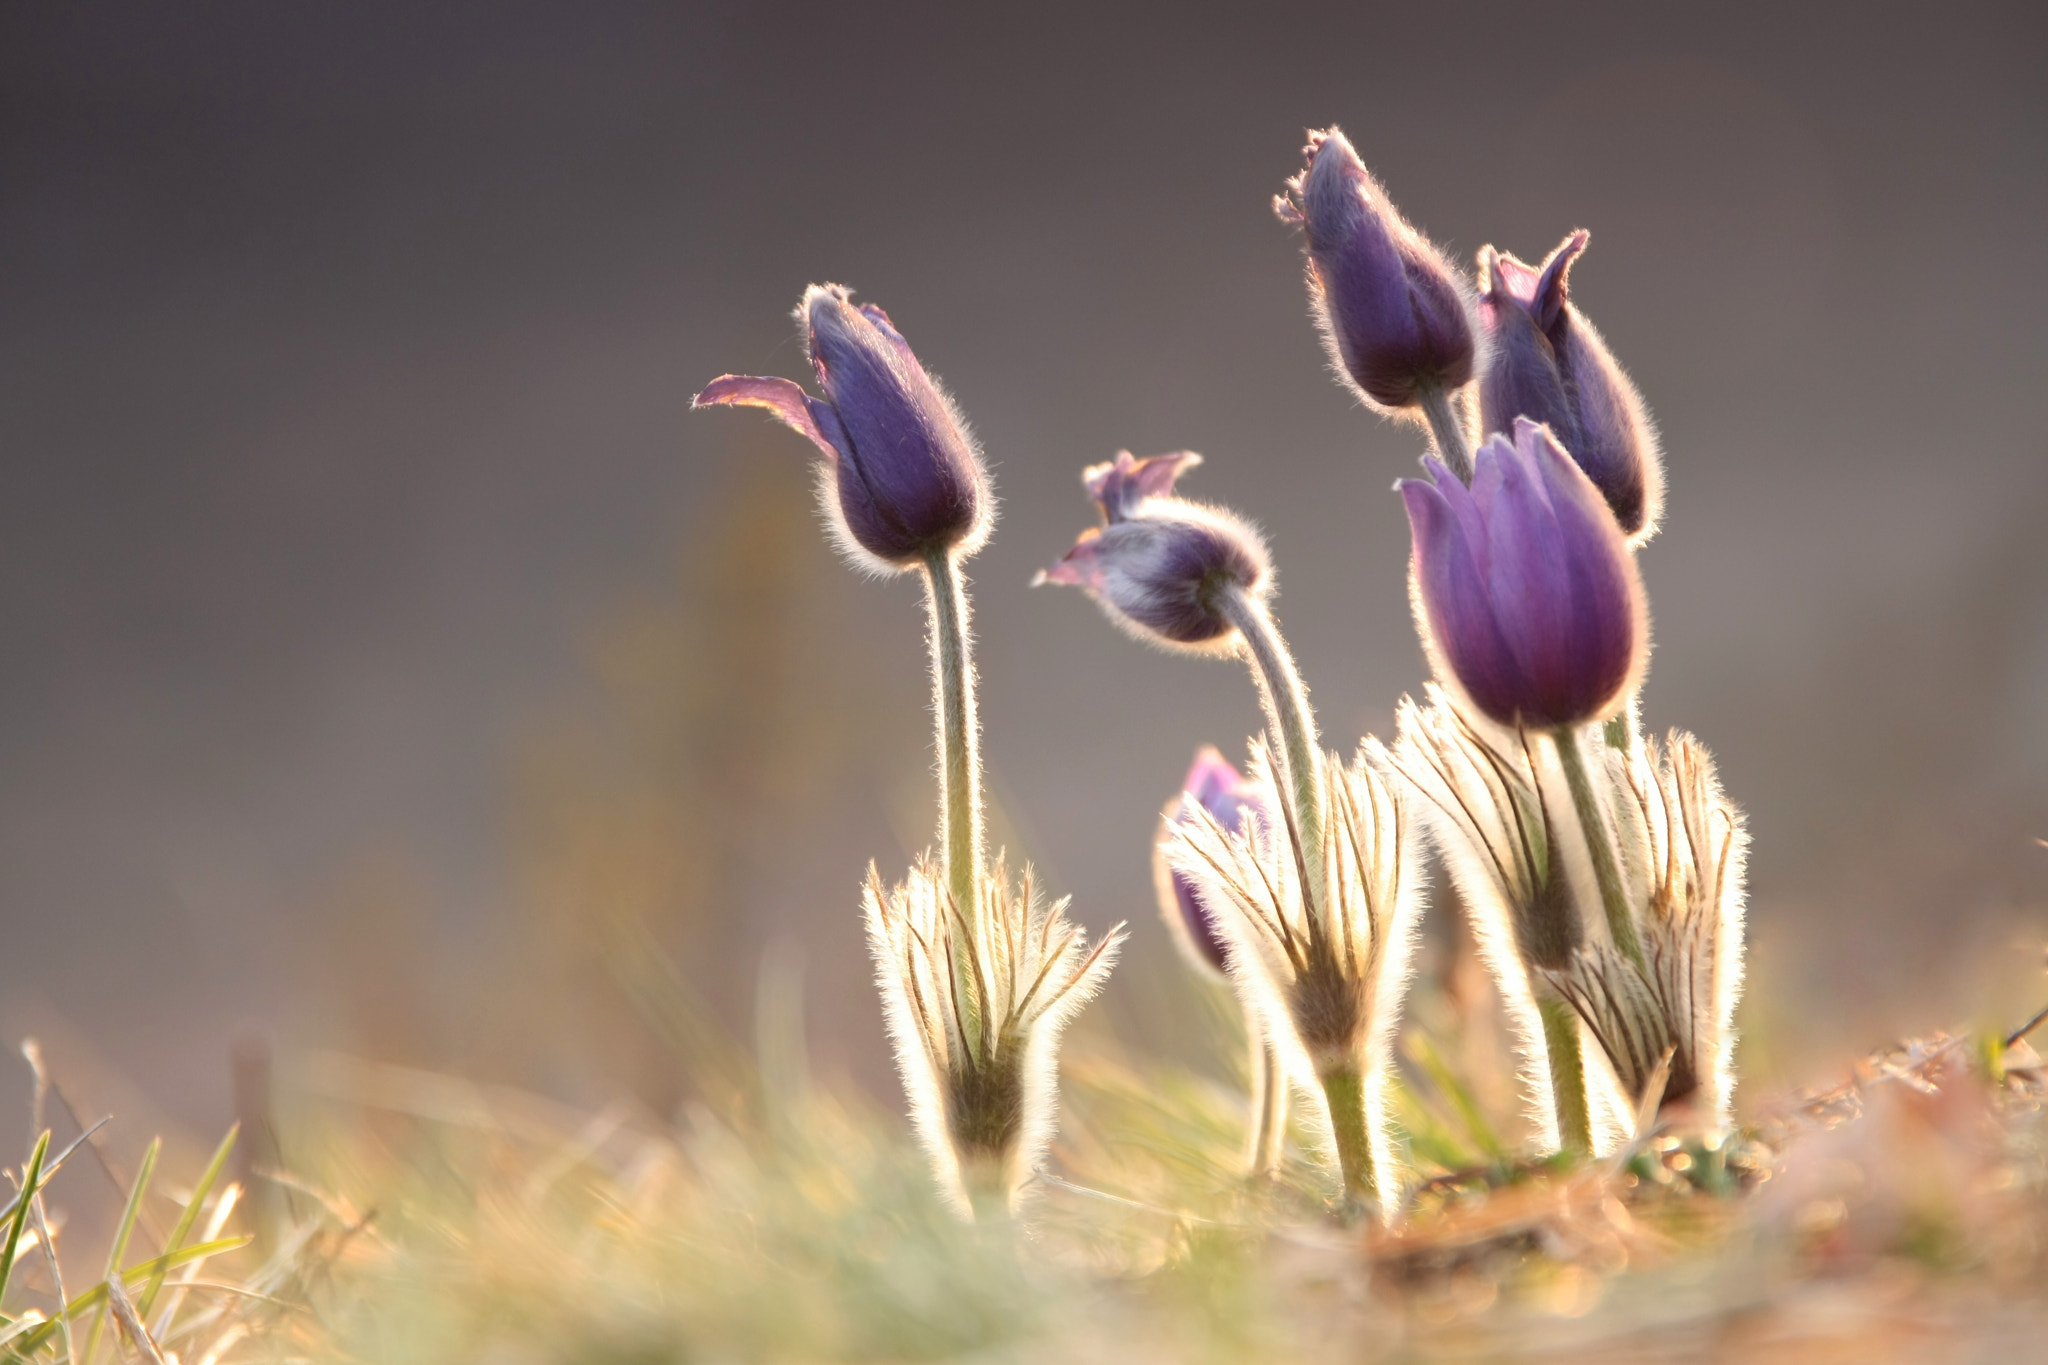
(190, 1216)
(96, 1296)
(26, 1323)
(55, 1164)
(122, 1231)
(33, 1178)
(1453, 1088)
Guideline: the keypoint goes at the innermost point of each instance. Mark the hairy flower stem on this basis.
(1599, 843)
(959, 736)
(1293, 726)
(1344, 1087)
(1446, 430)
(1567, 1075)
(1269, 1103)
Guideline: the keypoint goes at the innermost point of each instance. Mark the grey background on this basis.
(353, 528)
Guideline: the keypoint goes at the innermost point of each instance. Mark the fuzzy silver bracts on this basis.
(1683, 849)
(975, 1003)
(1496, 809)
(1324, 974)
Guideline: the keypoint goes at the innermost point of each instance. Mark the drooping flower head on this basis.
(1548, 364)
(1393, 313)
(1526, 593)
(1215, 786)
(902, 479)
(1158, 563)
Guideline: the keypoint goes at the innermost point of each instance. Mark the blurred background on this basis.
(391, 663)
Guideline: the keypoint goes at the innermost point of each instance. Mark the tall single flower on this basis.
(1219, 789)
(1394, 314)
(1528, 598)
(1548, 364)
(1159, 564)
(903, 480)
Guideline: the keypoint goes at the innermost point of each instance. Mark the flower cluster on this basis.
(1602, 871)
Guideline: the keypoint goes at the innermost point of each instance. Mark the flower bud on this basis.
(903, 480)
(1218, 788)
(1393, 313)
(1158, 563)
(1548, 364)
(1527, 596)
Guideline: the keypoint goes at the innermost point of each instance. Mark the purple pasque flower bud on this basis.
(1526, 593)
(903, 479)
(1546, 363)
(1220, 789)
(1158, 563)
(1394, 314)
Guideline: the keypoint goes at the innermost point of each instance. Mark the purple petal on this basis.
(1456, 605)
(1606, 627)
(1218, 787)
(1200, 924)
(1080, 567)
(1615, 445)
(1508, 277)
(1523, 378)
(1548, 301)
(1121, 484)
(784, 398)
(1530, 580)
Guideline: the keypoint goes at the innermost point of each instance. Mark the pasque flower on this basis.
(1548, 364)
(1158, 564)
(1528, 598)
(1215, 792)
(1394, 315)
(1320, 933)
(977, 975)
(1215, 786)
(1315, 903)
(903, 479)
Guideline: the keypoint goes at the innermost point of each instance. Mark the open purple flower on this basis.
(1220, 789)
(903, 479)
(1158, 564)
(1550, 366)
(1527, 594)
(1393, 313)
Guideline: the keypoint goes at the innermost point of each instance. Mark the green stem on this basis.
(959, 737)
(1269, 1103)
(1344, 1087)
(1292, 724)
(1599, 844)
(988, 1191)
(1567, 1075)
(1446, 430)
